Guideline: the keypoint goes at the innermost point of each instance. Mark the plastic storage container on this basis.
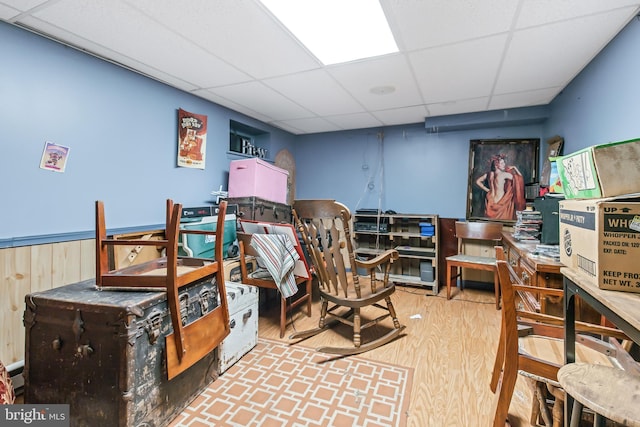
(255, 177)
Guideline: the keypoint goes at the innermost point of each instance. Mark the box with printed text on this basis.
(601, 239)
(604, 170)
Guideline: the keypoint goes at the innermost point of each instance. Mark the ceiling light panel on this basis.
(336, 31)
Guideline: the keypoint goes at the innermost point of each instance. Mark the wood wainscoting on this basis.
(28, 269)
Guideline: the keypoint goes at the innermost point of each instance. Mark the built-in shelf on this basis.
(248, 141)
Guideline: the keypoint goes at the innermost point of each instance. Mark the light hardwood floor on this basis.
(451, 346)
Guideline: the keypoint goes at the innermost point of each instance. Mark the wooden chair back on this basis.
(325, 229)
(477, 231)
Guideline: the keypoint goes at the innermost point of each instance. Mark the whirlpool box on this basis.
(242, 301)
(600, 238)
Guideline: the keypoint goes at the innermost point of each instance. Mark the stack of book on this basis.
(528, 226)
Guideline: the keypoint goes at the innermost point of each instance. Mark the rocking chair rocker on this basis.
(324, 226)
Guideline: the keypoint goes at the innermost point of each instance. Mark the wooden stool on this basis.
(609, 392)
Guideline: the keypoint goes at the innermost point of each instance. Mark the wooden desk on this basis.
(537, 271)
(621, 308)
(534, 271)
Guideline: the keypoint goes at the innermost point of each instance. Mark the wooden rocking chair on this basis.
(324, 226)
(188, 343)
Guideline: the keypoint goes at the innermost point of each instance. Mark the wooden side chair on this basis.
(262, 278)
(474, 232)
(531, 344)
(187, 343)
(347, 297)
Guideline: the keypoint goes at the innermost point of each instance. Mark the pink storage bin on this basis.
(257, 178)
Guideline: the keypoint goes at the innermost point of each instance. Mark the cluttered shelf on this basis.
(414, 236)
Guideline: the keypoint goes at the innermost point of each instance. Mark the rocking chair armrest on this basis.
(387, 256)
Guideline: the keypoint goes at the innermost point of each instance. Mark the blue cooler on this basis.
(203, 245)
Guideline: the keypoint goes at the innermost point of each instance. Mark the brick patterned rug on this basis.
(280, 385)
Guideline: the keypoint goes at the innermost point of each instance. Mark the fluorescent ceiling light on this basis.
(336, 30)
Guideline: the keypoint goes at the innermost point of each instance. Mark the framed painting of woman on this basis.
(499, 170)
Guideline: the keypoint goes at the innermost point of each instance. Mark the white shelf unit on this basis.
(418, 263)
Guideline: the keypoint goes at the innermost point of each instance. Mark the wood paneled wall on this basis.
(28, 269)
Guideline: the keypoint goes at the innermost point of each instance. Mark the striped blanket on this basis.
(279, 256)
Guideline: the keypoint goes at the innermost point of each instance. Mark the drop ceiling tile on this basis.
(552, 55)
(316, 91)
(117, 26)
(227, 103)
(458, 107)
(242, 33)
(286, 127)
(399, 116)
(355, 121)
(524, 99)
(7, 13)
(461, 71)
(392, 71)
(22, 5)
(262, 99)
(538, 12)
(422, 24)
(106, 54)
(308, 125)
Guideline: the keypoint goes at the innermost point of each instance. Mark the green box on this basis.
(605, 170)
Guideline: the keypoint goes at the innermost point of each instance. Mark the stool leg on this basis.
(599, 420)
(576, 414)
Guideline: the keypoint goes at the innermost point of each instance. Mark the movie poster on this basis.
(192, 139)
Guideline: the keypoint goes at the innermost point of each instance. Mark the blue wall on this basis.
(411, 171)
(601, 103)
(121, 128)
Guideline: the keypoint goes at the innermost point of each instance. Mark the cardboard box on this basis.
(601, 238)
(255, 177)
(600, 171)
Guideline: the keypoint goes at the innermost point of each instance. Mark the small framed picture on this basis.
(54, 157)
(499, 170)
